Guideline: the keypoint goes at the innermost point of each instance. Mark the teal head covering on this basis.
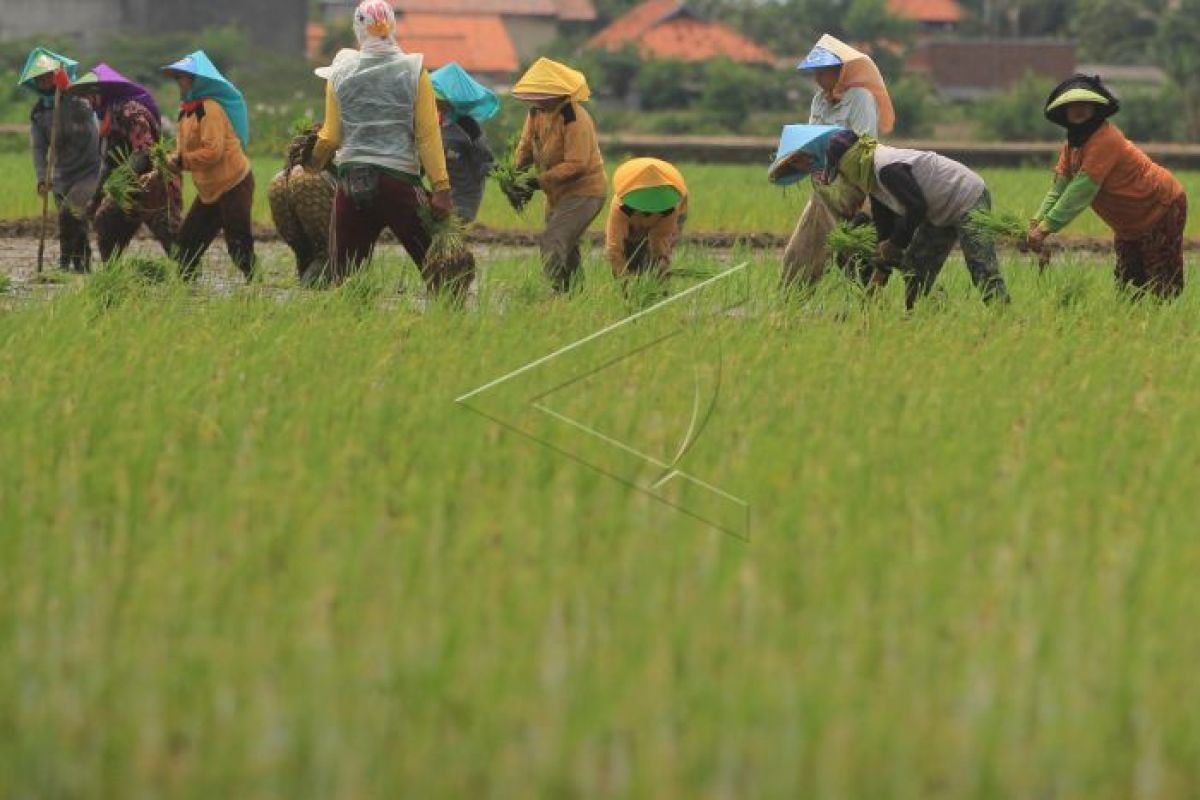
(467, 96)
(43, 61)
(210, 84)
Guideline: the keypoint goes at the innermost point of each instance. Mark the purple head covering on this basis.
(113, 87)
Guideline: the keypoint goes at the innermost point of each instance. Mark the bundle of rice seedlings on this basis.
(122, 184)
(518, 185)
(848, 243)
(996, 226)
(449, 262)
(160, 154)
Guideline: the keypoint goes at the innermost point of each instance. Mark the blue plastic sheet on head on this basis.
(467, 96)
(819, 57)
(810, 139)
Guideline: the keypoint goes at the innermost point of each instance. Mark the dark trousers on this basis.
(74, 247)
(1154, 263)
(231, 213)
(931, 246)
(396, 205)
(158, 206)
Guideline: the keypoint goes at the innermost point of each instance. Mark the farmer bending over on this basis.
(76, 152)
(381, 120)
(850, 94)
(648, 210)
(464, 105)
(1143, 203)
(920, 202)
(130, 126)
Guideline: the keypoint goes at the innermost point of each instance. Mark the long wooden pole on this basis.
(51, 158)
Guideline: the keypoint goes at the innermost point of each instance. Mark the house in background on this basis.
(492, 37)
(966, 69)
(930, 16)
(668, 30)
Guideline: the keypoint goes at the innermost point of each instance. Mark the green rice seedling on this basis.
(448, 257)
(122, 185)
(997, 226)
(518, 185)
(6, 284)
(847, 242)
(160, 155)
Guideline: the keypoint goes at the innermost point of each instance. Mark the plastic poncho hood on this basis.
(210, 84)
(793, 140)
(43, 61)
(113, 88)
(324, 73)
(547, 78)
(467, 96)
(650, 185)
(858, 71)
(375, 27)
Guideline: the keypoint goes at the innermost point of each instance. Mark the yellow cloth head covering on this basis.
(646, 173)
(548, 78)
(858, 70)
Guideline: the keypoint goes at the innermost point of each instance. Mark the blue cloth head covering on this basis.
(810, 139)
(467, 96)
(819, 57)
(42, 61)
(210, 84)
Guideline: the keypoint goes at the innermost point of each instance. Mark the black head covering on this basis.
(1078, 134)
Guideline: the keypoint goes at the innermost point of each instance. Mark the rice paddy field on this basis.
(253, 547)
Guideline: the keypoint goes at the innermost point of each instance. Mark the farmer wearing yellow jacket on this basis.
(559, 138)
(649, 208)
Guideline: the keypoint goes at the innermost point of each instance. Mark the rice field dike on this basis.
(253, 547)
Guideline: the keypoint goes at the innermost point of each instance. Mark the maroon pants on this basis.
(1154, 262)
(396, 206)
(232, 213)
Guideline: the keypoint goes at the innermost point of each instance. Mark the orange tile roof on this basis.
(927, 10)
(633, 23)
(315, 35)
(665, 29)
(478, 42)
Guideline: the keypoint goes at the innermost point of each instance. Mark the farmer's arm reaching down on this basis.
(524, 155)
(429, 136)
(898, 179)
(330, 138)
(1074, 198)
(614, 239)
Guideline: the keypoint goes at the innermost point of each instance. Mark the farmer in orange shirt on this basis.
(1142, 202)
(649, 208)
